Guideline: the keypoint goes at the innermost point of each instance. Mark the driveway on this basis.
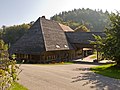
(65, 77)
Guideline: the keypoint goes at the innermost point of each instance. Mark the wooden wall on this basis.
(46, 57)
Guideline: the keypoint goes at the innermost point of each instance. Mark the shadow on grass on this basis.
(96, 81)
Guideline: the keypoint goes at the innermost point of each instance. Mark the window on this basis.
(57, 46)
(65, 46)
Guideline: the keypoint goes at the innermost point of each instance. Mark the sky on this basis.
(14, 12)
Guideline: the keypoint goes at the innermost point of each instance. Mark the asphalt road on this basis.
(65, 77)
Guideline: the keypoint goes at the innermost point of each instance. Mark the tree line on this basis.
(94, 20)
(12, 33)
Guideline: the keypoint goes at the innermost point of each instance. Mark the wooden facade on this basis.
(47, 57)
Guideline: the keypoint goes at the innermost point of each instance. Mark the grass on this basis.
(61, 63)
(94, 55)
(107, 70)
(17, 86)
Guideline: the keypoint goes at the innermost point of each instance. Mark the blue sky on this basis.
(13, 12)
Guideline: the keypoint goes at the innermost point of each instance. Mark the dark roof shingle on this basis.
(30, 43)
(44, 35)
(82, 37)
(54, 36)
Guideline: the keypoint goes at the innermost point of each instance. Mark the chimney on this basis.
(43, 17)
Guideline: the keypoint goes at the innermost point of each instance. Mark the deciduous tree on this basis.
(110, 45)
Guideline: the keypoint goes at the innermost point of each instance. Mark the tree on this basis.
(94, 20)
(12, 33)
(8, 68)
(110, 45)
(82, 28)
(0, 33)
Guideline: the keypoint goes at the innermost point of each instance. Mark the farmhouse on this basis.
(48, 40)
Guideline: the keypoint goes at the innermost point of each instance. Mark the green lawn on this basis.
(61, 63)
(17, 86)
(107, 70)
(94, 55)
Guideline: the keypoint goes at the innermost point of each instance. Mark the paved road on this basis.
(65, 77)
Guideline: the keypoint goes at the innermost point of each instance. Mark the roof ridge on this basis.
(43, 32)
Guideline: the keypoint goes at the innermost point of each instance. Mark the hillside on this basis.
(95, 20)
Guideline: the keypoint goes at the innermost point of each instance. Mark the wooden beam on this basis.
(82, 53)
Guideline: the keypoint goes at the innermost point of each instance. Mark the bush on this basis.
(8, 68)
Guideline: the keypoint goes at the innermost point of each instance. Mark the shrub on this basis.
(8, 68)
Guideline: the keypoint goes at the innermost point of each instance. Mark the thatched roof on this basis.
(44, 35)
(82, 37)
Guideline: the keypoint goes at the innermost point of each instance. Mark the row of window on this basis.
(47, 57)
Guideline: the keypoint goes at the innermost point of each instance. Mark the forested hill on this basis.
(95, 20)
